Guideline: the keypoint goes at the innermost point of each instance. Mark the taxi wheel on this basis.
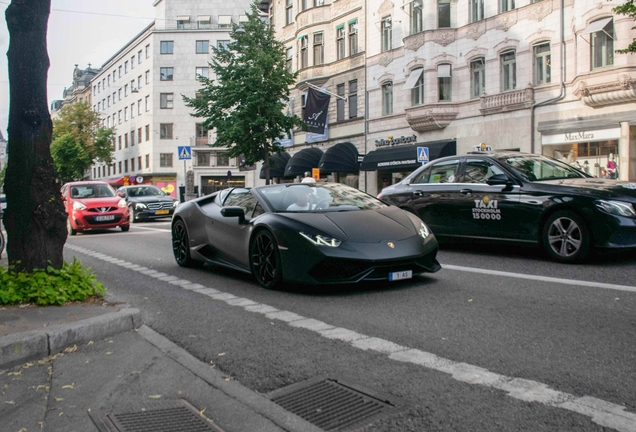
(133, 215)
(69, 226)
(566, 238)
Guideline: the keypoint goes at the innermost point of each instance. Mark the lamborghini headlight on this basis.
(423, 231)
(618, 208)
(320, 240)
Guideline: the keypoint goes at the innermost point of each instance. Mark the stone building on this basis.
(79, 91)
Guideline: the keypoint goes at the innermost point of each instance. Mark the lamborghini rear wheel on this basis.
(265, 260)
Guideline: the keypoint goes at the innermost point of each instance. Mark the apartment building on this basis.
(324, 42)
(139, 90)
(534, 76)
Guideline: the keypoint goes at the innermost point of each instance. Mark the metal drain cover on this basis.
(156, 416)
(332, 405)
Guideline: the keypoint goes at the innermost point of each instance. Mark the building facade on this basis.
(139, 90)
(79, 91)
(534, 76)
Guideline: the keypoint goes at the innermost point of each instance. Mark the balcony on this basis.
(431, 117)
(201, 142)
(623, 90)
(508, 101)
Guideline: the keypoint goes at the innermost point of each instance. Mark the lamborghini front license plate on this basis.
(406, 274)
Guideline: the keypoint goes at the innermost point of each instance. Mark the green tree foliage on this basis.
(628, 8)
(246, 101)
(79, 141)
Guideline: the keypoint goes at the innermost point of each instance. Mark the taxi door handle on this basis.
(466, 191)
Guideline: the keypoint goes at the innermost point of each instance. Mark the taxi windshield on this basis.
(538, 168)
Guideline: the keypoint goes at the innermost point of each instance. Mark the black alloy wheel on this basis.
(69, 226)
(181, 246)
(566, 238)
(124, 228)
(265, 260)
(133, 214)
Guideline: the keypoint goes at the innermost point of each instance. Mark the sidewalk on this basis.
(98, 368)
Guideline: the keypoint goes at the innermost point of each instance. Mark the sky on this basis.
(79, 32)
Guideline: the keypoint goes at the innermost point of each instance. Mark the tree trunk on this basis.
(35, 218)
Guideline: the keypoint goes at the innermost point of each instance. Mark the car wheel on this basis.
(133, 214)
(265, 260)
(565, 237)
(69, 226)
(125, 228)
(181, 246)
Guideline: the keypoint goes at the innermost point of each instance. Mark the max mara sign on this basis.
(581, 136)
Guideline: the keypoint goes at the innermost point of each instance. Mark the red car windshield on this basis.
(82, 191)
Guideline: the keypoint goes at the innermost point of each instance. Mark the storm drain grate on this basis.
(166, 416)
(332, 405)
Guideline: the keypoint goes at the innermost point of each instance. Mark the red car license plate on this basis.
(104, 218)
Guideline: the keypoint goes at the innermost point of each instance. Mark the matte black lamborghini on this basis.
(310, 233)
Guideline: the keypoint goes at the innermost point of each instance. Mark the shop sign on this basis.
(390, 141)
(581, 136)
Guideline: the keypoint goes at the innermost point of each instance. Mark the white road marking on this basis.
(601, 412)
(151, 229)
(542, 278)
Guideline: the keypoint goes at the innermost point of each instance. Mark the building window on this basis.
(108, 79)
(166, 47)
(139, 139)
(417, 91)
(353, 37)
(139, 82)
(147, 161)
(443, 13)
(444, 83)
(108, 99)
(303, 5)
(125, 140)
(139, 57)
(126, 90)
(353, 99)
(203, 159)
(132, 110)
(416, 16)
(119, 71)
(387, 34)
(132, 62)
(223, 44)
(304, 57)
(183, 22)
(139, 111)
(139, 163)
(303, 105)
(132, 164)
(148, 51)
(114, 75)
(289, 58)
(222, 159)
(340, 102)
(203, 46)
(166, 100)
(289, 12)
(204, 21)
(506, 5)
(147, 103)
(119, 117)
(602, 45)
(166, 73)
(319, 49)
(147, 132)
(542, 64)
(119, 167)
(319, 3)
(387, 98)
(165, 130)
(508, 71)
(119, 142)
(225, 21)
(147, 77)
(165, 160)
(340, 42)
(201, 71)
(477, 77)
(476, 10)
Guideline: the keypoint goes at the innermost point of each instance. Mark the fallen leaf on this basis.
(201, 412)
(192, 336)
(221, 354)
(110, 341)
(60, 414)
(14, 373)
(58, 399)
(69, 386)
(71, 349)
(179, 392)
(89, 410)
(22, 430)
(109, 352)
(9, 402)
(616, 298)
(42, 386)
(470, 300)
(90, 343)
(227, 379)
(154, 397)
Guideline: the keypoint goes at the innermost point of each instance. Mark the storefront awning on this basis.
(404, 157)
(303, 161)
(342, 157)
(277, 164)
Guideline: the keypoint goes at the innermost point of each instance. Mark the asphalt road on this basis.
(501, 339)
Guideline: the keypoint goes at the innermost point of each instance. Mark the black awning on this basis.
(277, 164)
(342, 157)
(404, 157)
(303, 161)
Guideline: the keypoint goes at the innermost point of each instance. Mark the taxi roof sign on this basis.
(482, 148)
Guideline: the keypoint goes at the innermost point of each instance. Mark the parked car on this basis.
(309, 233)
(520, 198)
(94, 205)
(146, 202)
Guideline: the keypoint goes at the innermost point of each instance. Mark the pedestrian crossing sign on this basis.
(422, 154)
(185, 153)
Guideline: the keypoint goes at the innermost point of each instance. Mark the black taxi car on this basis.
(147, 202)
(520, 198)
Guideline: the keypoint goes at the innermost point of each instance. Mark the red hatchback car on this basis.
(94, 205)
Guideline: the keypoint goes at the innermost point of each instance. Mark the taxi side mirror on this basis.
(499, 179)
(121, 194)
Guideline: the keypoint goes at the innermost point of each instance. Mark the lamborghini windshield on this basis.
(317, 197)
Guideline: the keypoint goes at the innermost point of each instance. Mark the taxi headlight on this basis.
(424, 232)
(78, 206)
(176, 203)
(320, 240)
(140, 206)
(121, 203)
(618, 208)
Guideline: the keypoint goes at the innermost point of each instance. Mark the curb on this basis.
(20, 347)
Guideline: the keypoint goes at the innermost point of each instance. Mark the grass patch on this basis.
(49, 286)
